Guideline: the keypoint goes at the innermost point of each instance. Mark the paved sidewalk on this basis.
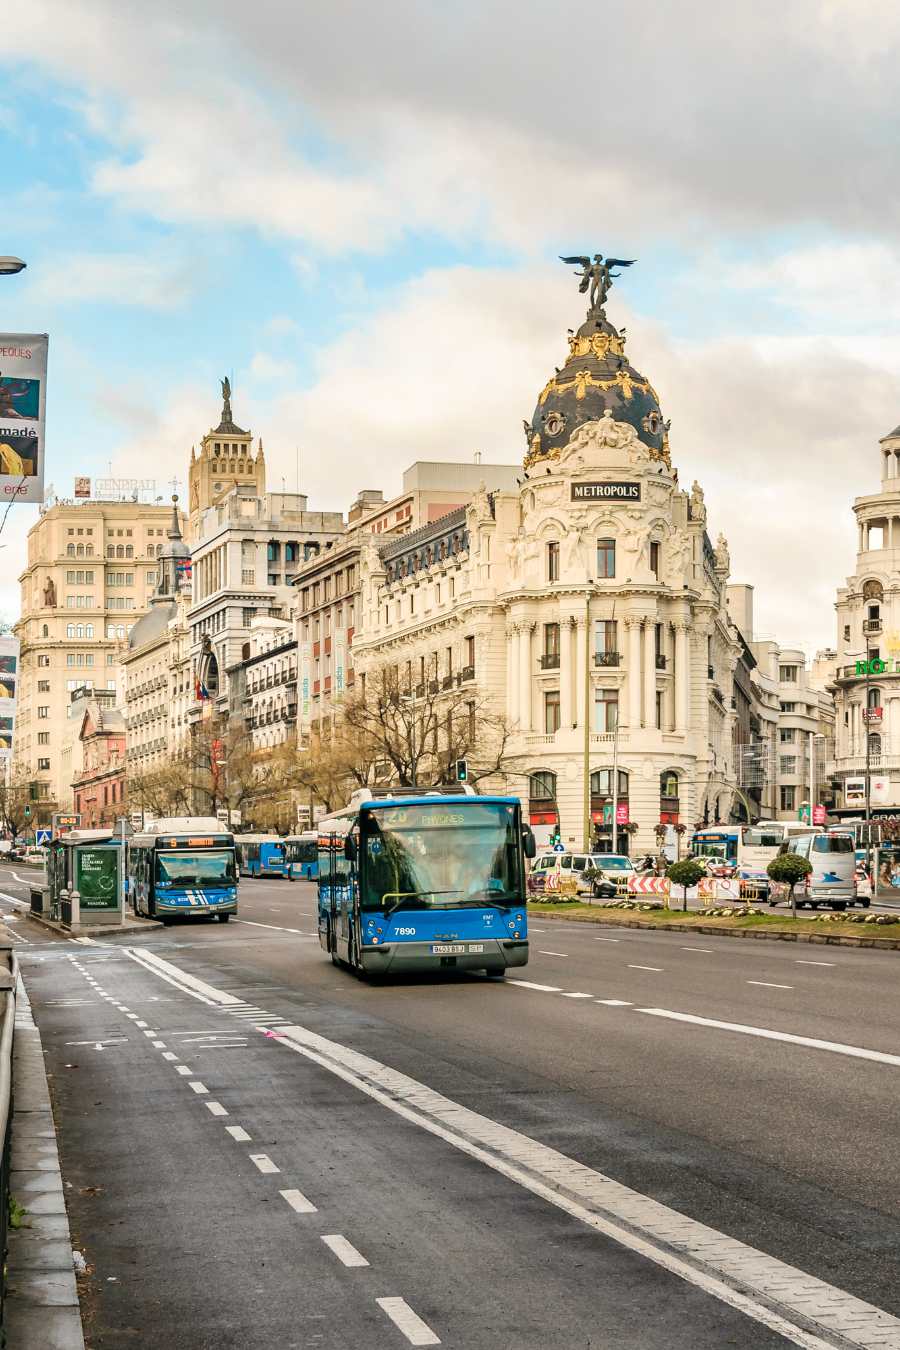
(42, 1311)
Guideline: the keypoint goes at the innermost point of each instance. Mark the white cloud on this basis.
(281, 326)
(160, 281)
(266, 367)
(862, 277)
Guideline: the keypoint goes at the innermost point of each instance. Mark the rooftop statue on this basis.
(597, 277)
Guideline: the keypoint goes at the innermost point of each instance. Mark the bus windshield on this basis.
(195, 869)
(440, 856)
(763, 836)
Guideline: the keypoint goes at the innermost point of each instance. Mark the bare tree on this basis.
(415, 737)
(15, 796)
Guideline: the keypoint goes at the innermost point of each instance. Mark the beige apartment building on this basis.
(90, 574)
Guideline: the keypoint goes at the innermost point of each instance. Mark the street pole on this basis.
(868, 763)
(812, 779)
(615, 773)
(122, 866)
(587, 724)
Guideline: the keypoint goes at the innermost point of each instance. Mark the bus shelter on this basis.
(84, 879)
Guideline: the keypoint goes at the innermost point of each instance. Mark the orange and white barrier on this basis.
(649, 886)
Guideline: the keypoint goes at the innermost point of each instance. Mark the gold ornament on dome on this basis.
(584, 380)
(598, 344)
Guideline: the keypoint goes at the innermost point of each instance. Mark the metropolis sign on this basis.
(604, 492)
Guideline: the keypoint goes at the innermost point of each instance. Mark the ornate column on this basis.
(525, 675)
(565, 672)
(633, 674)
(682, 676)
(649, 672)
(512, 671)
(580, 658)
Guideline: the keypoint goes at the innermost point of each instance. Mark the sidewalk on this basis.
(131, 926)
(42, 1310)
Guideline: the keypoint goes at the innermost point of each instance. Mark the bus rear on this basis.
(426, 884)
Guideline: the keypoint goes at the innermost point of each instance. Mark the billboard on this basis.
(82, 487)
(23, 395)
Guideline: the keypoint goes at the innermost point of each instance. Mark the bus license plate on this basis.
(456, 948)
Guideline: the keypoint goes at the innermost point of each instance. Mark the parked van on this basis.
(832, 880)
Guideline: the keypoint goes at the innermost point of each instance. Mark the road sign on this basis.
(234, 818)
(65, 822)
(41, 837)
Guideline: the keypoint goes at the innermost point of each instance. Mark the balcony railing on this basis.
(433, 686)
(871, 626)
(447, 682)
(607, 658)
(550, 661)
(467, 673)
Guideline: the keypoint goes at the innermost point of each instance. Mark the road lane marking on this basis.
(529, 984)
(198, 1087)
(718, 1265)
(169, 1055)
(811, 1042)
(188, 984)
(404, 1319)
(596, 939)
(344, 1250)
(697, 949)
(767, 984)
(543, 953)
(159, 1045)
(149, 1033)
(264, 1162)
(657, 969)
(183, 1070)
(578, 995)
(216, 1108)
(239, 1133)
(614, 1002)
(801, 962)
(298, 1202)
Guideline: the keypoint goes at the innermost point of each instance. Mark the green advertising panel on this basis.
(97, 877)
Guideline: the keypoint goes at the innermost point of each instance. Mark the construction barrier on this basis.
(658, 886)
(754, 890)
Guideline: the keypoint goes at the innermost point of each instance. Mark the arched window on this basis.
(245, 652)
(89, 630)
(79, 552)
(542, 786)
(70, 630)
(120, 550)
(129, 551)
(874, 743)
(89, 550)
(668, 784)
(873, 590)
(601, 783)
(70, 551)
(45, 631)
(873, 697)
(79, 630)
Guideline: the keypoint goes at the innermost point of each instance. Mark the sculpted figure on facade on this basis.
(50, 594)
(480, 505)
(723, 557)
(698, 504)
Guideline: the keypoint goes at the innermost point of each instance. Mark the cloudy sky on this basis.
(355, 211)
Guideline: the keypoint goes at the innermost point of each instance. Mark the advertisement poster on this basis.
(340, 662)
(23, 393)
(9, 667)
(97, 878)
(82, 487)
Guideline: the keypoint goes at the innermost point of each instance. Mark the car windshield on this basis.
(195, 869)
(441, 855)
(613, 863)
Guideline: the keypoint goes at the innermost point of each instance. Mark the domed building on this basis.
(587, 608)
(156, 662)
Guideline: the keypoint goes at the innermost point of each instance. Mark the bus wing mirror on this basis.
(529, 844)
(350, 848)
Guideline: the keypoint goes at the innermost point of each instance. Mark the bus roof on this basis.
(432, 799)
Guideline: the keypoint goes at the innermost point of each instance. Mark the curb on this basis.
(823, 939)
(90, 930)
(42, 1306)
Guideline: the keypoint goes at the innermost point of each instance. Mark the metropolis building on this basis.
(588, 604)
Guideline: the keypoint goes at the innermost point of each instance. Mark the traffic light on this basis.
(27, 811)
(462, 771)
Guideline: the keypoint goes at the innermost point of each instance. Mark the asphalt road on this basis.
(379, 1107)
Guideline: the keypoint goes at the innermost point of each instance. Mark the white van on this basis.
(832, 880)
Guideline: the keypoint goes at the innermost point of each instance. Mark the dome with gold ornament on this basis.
(597, 377)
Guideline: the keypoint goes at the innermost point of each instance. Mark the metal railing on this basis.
(8, 976)
(550, 661)
(607, 658)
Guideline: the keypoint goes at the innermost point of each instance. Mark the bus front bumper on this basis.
(485, 954)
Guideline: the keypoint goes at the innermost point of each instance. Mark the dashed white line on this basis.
(264, 1162)
(142, 1024)
(298, 1202)
(159, 1045)
(835, 1047)
(596, 939)
(615, 1002)
(198, 1087)
(578, 995)
(708, 950)
(542, 953)
(529, 984)
(216, 1108)
(183, 1070)
(239, 1133)
(150, 1033)
(344, 1250)
(657, 969)
(767, 984)
(801, 962)
(404, 1319)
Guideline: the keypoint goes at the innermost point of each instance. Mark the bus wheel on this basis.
(223, 918)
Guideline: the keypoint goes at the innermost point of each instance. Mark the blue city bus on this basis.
(424, 881)
(301, 856)
(260, 855)
(183, 866)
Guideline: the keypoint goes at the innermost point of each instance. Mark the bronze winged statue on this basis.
(597, 277)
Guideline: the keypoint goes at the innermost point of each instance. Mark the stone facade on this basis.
(589, 598)
(263, 687)
(99, 789)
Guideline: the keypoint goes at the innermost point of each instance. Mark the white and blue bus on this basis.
(301, 856)
(424, 881)
(260, 855)
(183, 865)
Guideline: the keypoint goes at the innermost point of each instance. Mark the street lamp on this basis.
(868, 777)
(10, 266)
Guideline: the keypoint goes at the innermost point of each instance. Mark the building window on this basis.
(542, 786)
(788, 707)
(659, 709)
(43, 710)
(606, 709)
(787, 735)
(606, 639)
(553, 560)
(875, 743)
(654, 559)
(873, 698)
(601, 783)
(470, 652)
(551, 644)
(551, 712)
(43, 686)
(787, 764)
(788, 796)
(787, 674)
(43, 764)
(43, 738)
(70, 630)
(43, 660)
(606, 558)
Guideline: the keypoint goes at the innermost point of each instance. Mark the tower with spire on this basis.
(226, 460)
